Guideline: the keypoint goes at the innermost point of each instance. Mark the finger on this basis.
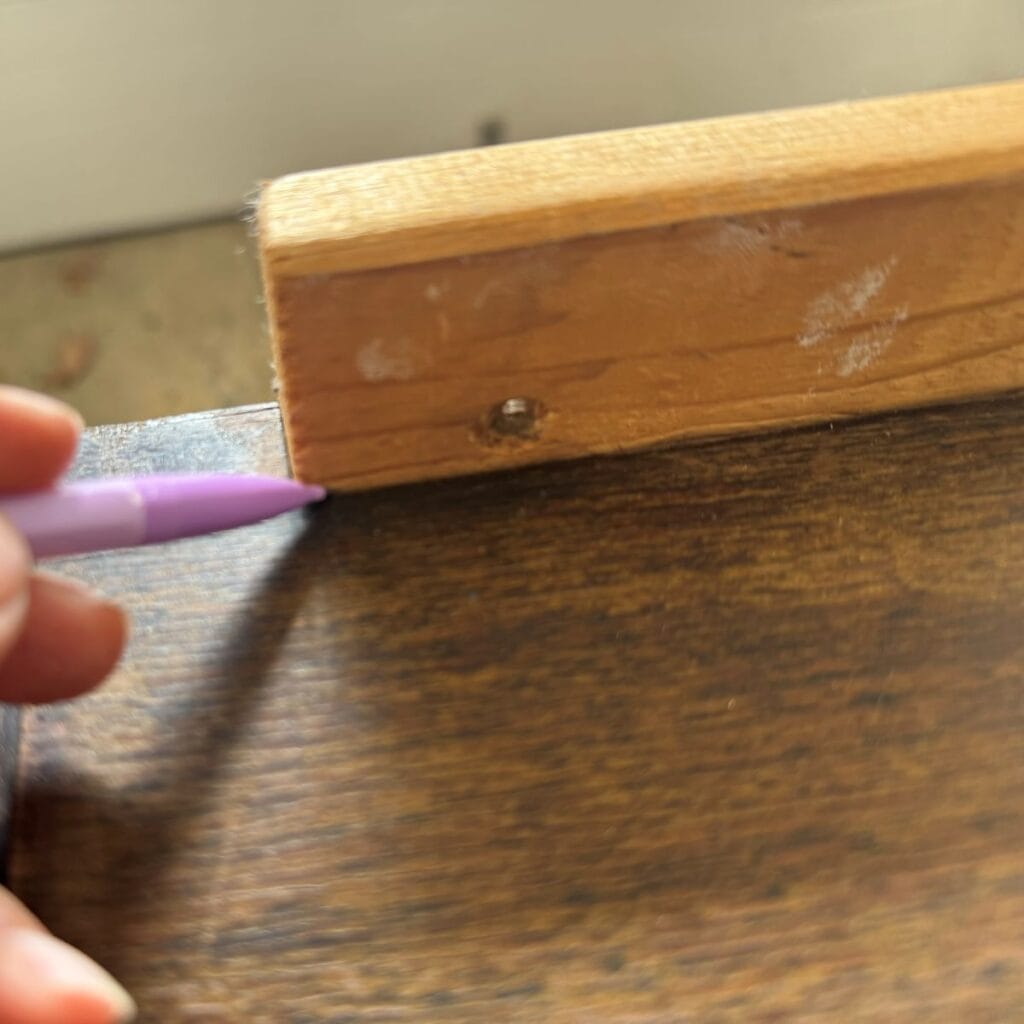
(14, 914)
(38, 436)
(15, 568)
(45, 981)
(70, 640)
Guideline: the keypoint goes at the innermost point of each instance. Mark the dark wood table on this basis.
(728, 732)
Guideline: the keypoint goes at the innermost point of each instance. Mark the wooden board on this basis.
(731, 732)
(628, 288)
(9, 721)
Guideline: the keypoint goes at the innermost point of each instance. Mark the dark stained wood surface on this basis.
(732, 732)
(9, 722)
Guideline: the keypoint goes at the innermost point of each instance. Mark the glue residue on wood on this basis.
(843, 305)
(384, 359)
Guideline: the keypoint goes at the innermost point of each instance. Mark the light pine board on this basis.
(640, 286)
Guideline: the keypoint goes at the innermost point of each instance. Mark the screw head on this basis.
(517, 417)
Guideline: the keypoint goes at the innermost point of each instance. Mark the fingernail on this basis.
(14, 560)
(83, 987)
(41, 404)
(14, 569)
(72, 588)
(76, 590)
(12, 614)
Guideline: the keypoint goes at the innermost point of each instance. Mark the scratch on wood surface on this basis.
(840, 306)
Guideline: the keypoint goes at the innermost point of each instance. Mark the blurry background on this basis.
(122, 120)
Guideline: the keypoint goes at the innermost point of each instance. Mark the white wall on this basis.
(121, 114)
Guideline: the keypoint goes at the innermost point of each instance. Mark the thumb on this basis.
(46, 981)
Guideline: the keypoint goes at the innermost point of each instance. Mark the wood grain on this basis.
(728, 732)
(621, 286)
(9, 722)
(386, 214)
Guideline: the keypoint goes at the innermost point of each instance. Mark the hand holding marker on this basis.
(58, 639)
(94, 515)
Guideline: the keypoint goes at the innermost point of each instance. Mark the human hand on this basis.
(57, 640)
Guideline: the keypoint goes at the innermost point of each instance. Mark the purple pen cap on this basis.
(189, 506)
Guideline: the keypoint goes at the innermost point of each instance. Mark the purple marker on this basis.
(96, 515)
